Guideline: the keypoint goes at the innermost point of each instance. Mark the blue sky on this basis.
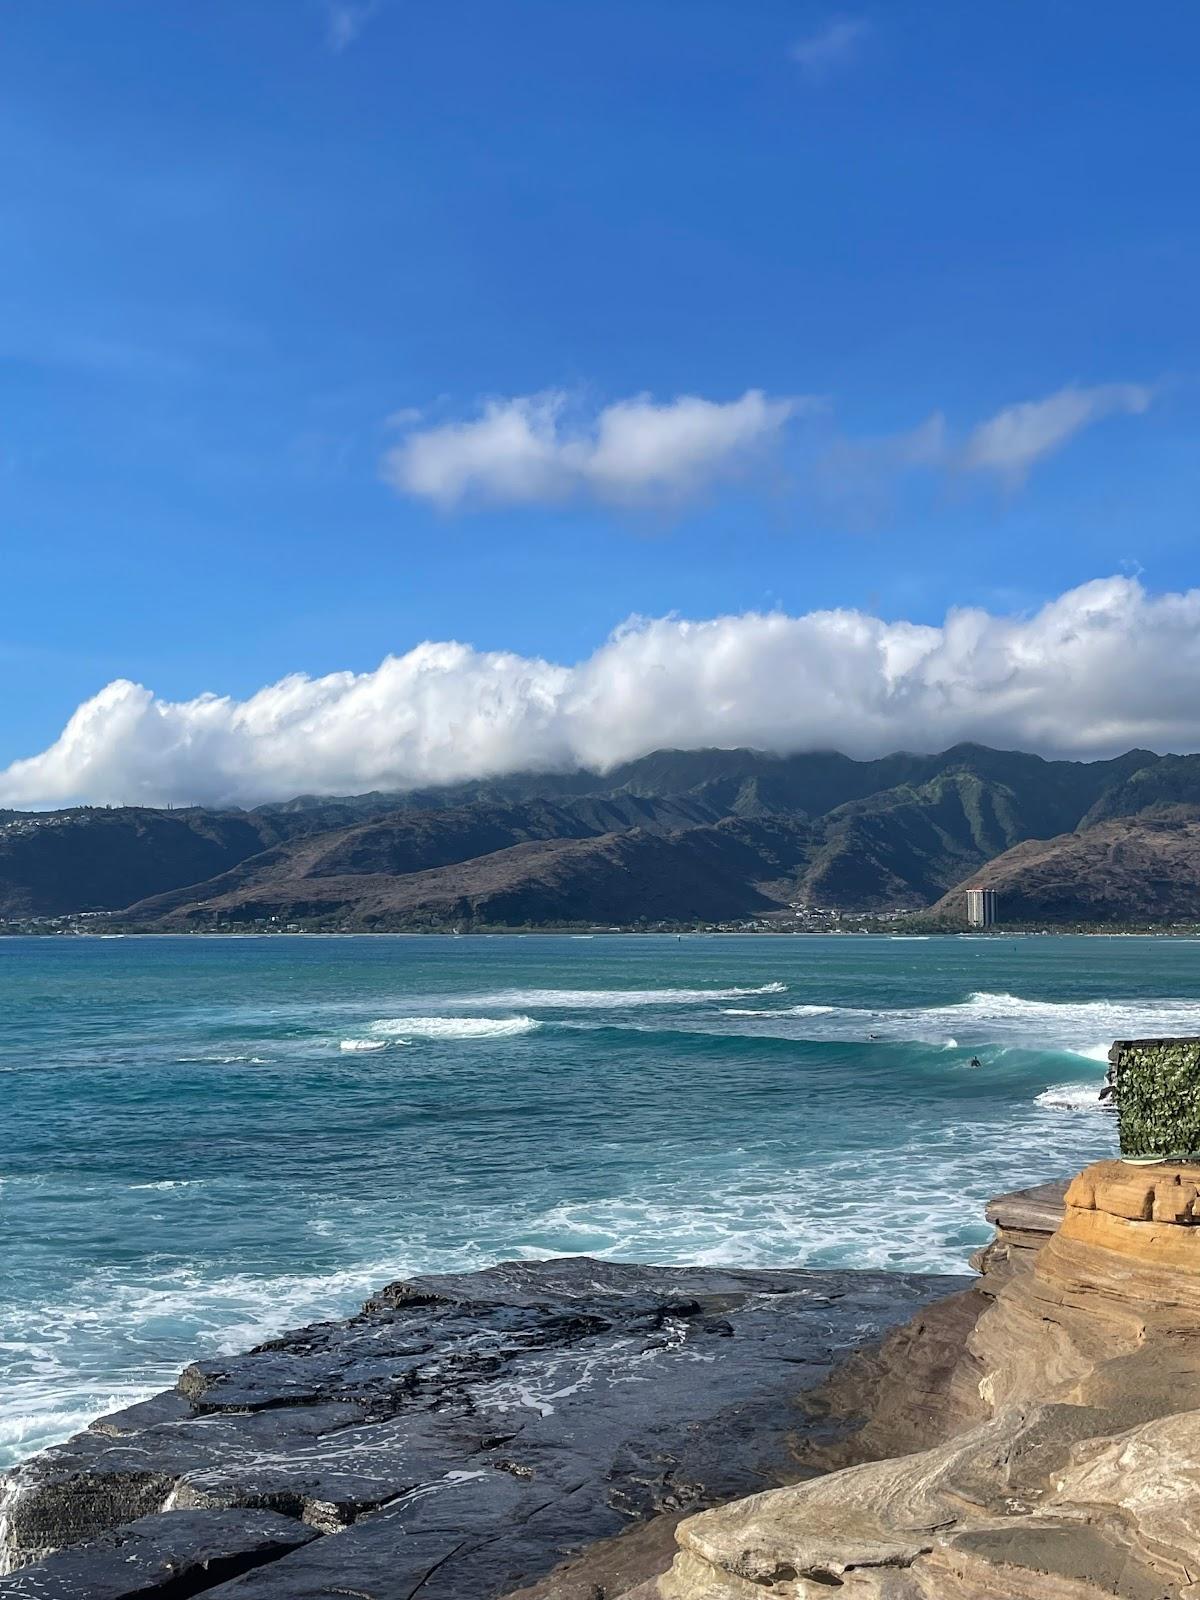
(266, 263)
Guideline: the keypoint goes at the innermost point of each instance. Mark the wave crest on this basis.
(787, 1011)
(617, 999)
(1083, 1028)
(455, 1027)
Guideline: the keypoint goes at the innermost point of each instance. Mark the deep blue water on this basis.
(191, 1159)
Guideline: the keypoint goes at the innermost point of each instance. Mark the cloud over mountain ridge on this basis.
(1102, 667)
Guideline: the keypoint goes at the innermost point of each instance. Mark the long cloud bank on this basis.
(1103, 667)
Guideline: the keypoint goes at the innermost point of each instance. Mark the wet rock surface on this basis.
(461, 1436)
(170, 1556)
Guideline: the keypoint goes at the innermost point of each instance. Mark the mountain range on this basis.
(677, 837)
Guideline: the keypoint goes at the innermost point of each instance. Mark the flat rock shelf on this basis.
(460, 1436)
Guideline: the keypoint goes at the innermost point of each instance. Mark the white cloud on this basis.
(538, 450)
(860, 474)
(1103, 667)
(1012, 441)
(530, 450)
(345, 20)
(829, 46)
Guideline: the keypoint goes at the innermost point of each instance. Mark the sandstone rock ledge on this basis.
(1054, 1455)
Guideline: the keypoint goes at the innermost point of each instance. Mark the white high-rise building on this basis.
(981, 908)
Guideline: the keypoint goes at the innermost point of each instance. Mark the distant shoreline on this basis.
(992, 934)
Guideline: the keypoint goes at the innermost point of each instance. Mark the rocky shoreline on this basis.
(580, 1430)
(461, 1436)
(1037, 1438)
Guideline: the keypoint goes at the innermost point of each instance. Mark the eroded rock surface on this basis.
(460, 1437)
(1061, 1455)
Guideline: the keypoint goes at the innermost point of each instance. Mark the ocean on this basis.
(206, 1140)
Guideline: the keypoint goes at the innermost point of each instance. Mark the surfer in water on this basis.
(974, 1062)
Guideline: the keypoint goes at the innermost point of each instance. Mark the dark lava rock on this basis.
(460, 1436)
(182, 1554)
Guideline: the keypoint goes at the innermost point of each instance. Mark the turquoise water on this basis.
(206, 1140)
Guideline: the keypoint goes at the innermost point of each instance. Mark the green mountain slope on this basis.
(818, 830)
(1165, 781)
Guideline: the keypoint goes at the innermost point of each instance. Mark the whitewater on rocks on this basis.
(458, 1436)
(581, 1430)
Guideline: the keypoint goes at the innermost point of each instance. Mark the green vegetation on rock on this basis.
(1157, 1091)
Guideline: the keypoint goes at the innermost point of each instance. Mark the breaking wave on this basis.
(616, 999)
(455, 1027)
(1095, 1052)
(1071, 1097)
(787, 1011)
(354, 1046)
(1081, 1027)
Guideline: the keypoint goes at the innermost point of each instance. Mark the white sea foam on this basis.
(51, 1353)
(455, 1027)
(1095, 1052)
(1071, 1097)
(221, 1061)
(810, 1213)
(111, 1341)
(1083, 1027)
(21, 1432)
(354, 1046)
(786, 1011)
(616, 999)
